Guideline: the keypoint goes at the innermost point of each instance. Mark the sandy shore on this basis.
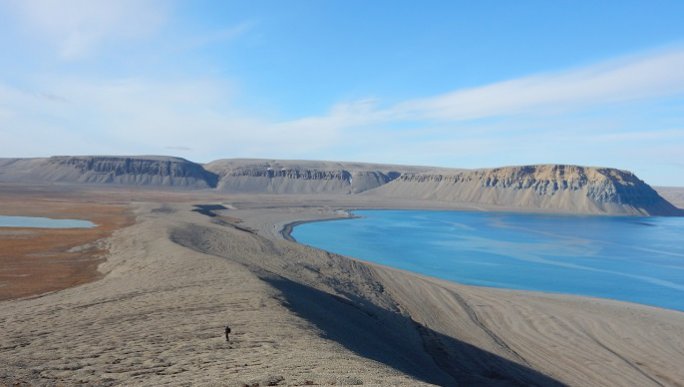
(301, 316)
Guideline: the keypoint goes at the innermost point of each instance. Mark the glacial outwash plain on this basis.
(183, 250)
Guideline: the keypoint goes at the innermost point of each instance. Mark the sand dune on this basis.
(303, 316)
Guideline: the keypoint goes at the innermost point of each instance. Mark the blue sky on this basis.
(445, 83)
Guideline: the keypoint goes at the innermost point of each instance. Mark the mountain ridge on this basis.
(555, 187)
(546, 186)
(118, 170)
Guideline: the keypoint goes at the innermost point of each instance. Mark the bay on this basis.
(635, 259)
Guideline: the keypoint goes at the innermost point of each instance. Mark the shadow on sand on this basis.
(377, 333)
(401, 343)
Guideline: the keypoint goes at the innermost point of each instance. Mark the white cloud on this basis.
(136, 113)
(634, 78)
(77, 27)
(628, 79)
(214, 37)
(140, 115)
(640, 136)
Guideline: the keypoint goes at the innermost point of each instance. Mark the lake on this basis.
(38, 222)
(634, 259)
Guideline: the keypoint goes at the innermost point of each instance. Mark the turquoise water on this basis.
(37, 222)
(624, 258)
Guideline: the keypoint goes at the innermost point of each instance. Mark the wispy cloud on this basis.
(179, 148)
(623, 80)
(77, 27)
(643, 135)
(202, 112)
(535, 119)
(219, 36)
(51, 97)
(136, 113)
(639, 77)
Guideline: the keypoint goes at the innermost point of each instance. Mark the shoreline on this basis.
(288, 228)
(174, 280)
(587, 307)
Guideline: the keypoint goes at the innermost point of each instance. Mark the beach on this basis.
(175, 278)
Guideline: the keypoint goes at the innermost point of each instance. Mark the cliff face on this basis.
(300, 177)
(566, 188)
(559, 188)
(143, 171)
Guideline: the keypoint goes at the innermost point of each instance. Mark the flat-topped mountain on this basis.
(298, 177)
(121, 170)
(558, 188)
(567, 188)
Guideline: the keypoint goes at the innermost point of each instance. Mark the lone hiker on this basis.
(227, 333)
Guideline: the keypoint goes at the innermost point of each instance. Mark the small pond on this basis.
(38, 222)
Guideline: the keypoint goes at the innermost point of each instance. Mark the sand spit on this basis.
(301, 316)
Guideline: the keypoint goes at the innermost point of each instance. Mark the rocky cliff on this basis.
(566, 188)
(138, 170)
(301, 177)
(559, 188)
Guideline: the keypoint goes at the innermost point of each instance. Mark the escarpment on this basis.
(117, 170)
(565, 188)
(300, 177)
(554, 188)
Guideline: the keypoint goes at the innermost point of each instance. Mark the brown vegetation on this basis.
(176, 278)
(35, 261)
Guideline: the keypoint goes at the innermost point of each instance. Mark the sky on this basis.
(465, 84)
